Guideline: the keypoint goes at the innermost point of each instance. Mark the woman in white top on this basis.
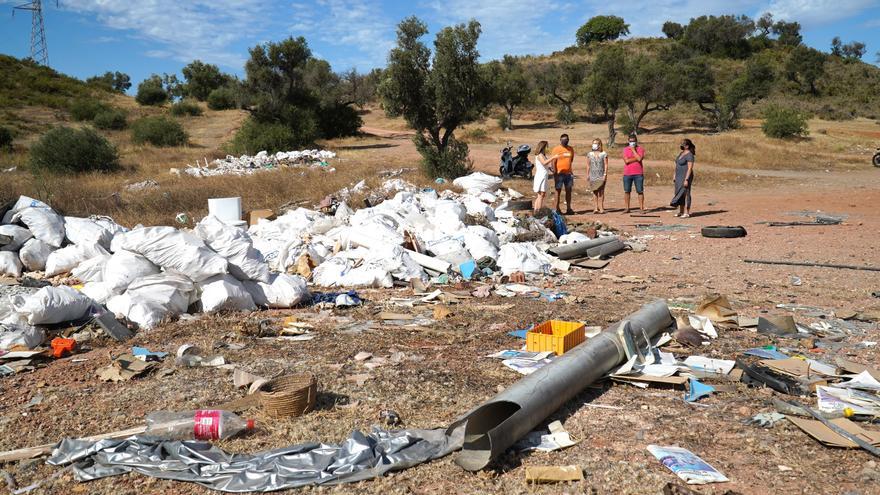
(598, 174)
(543, 170)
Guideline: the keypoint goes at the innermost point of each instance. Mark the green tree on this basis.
(673, 30)
(721, 95)
(721, 36)
(764, 25)
(609, 84)
(656, 83)
(561, 82)
(601, 28)
(66, 150)
(151, 91)
(805, 66)
(202, 78)
(781, 123)
(111, 81)
(509, 86)
(788, 33)
(436, 96)
(360, 89)
(854, 50)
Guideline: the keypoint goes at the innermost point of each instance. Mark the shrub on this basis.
(158, 131)
(337, 120)
(86, 108)
(112, 119)
(222, 99)
(186, 107)
(565, 115)
(255, 136)
(5, 139)
(66, 150)
(780, 122)
(476, 134)
(450, 163)
(151, 92)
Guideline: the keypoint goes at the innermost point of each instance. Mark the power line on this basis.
(39, 49)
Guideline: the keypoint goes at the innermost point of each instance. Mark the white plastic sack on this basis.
(44, 224)
(152, 299)
(10, 265)
(341, 272)
(282, 291)
(476, 207)
(478, 182)
(123, 267)
(173, 250)
(523, 257)
(234, 244)
(19, 235)
(92, 269)
(52, 305)
(109, 225)
(573, 238)
(22, 203)
(447, 216)
(15, 335)
(68, 258)
(225, 292)
(100, 292)
(34, 255)
(479, 247)
(86, 231)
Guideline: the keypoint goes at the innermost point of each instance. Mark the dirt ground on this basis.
(445, 372)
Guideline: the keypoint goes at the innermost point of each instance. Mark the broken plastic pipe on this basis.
(497, 424)
(579, 249)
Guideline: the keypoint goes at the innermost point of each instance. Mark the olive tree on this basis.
(509, 86)
(202, 78)
(436, 95)
(601, 28)
(721, 95)
(608, 85)
(561, 82)
(805, 66)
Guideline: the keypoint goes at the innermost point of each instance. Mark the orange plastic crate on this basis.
(554, 335)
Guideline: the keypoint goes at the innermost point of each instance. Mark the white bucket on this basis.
(225, 209)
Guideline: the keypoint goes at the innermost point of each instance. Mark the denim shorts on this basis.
(639, 181)
(564, 180)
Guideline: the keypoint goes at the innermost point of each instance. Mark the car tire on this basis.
(877, 160)
(722, 232)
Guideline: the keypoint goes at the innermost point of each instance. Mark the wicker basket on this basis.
(291, 395)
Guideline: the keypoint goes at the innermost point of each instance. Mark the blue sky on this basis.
(141, 37)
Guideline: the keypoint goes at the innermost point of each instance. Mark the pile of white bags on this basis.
(173, 250)
(150, 300)
(52, 305)
(478, 182)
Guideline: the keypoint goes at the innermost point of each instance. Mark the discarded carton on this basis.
(717, 309)
(254, 216)
(687, 465)
(830, 438)
(124, 367)
(554, 474)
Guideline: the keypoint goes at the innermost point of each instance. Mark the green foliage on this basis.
(478, 134)
(111, 119)
(609, 84)
(450, 162)
(560, 82)
(158, 131)
(805, 66)
(286, 85)
(436, 97)
(186, 107)
(25, 83)
(601, 28)
(255, 136)
(5, 139)
(66, 150)
(151, 91)
(508, 86)
(673, 30)
(202, 79)
(852, 51)
(788, 33)
(111, 81)
(780, 122)
(86, 108)
(720, 36)
(626, 123)
(222, 99)
(722, 93)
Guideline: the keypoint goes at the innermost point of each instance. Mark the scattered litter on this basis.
(557, 439)
(554, 474)
(720, 366)
(123, 368)
(697, 390)
(686, 465)
(766, 419)
(262, 161)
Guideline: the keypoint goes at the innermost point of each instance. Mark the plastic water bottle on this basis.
(203, 424)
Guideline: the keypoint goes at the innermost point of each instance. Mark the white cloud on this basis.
(358, 25)
(816, 12)
(196, 29)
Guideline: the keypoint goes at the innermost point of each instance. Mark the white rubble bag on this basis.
(523, 257)
(34, 255)
(99, 292)
(152, 299)
(67, 258)
(109, 225)
(86, 231)
(92, 269)
(478, 182)
(123, 267)
(225, 292)
(44, 224)
(339, 271)
(282, 291)
(15, 335)
(22, 203)
(447, 216)
(173, 250)
(51, 305)
(477, 207)
(478, 245)
(19, 235)
(234, 244)
(10, 265)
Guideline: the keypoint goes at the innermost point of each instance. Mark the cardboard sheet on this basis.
(827, 436)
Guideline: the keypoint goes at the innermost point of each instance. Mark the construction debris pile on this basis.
(261, 162)
(148, 275)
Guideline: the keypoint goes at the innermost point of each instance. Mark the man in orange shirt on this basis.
(564, 177)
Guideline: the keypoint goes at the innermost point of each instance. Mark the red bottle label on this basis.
(206, 424)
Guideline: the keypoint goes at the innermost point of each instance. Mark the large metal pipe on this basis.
(497, 424)
(579, 249)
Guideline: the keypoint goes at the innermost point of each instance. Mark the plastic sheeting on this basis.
(360, 457)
